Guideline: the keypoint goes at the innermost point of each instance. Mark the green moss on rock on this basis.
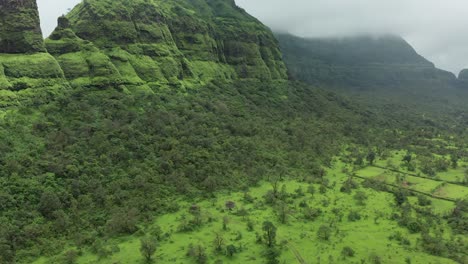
(163, 41)
(83, 64)
(20, 30)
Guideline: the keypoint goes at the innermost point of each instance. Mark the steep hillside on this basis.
(152, 99)
(360, 62)
(20, 31)
(180, 43)
(27, 73)
(384, 73)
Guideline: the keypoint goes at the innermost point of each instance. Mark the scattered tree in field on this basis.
(198, 252)
(218, 242)
(230, 205)
(283, 212)
(407, 158)
(71, 257)
(272, 254)
(269, 234)
(347, 252)
(423, 200)
(242, 212)
(354, 216)
(231, 250)
(360, 197)
(312, 213)
(250, 225)
(225, 223)
(148, 248)
(324, 233)
(371, 157)
(454, 160)
(375, 259)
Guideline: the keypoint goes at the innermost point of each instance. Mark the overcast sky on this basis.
(436, 28)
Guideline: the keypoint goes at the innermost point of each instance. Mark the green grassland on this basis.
(375, 236)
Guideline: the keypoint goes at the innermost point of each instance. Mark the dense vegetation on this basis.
(144, 110)
(88, 164)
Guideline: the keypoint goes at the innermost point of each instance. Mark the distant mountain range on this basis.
(361, 62)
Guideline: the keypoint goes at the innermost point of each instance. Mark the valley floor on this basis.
(363, 220)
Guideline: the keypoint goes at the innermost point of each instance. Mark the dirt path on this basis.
(296, 253)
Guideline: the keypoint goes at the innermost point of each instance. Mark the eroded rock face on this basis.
(20, 30)
(179, 41)
(28, 74)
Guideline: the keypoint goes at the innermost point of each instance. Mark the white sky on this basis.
(436, 28)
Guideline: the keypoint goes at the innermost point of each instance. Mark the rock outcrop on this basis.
(20, 30)
(179, 42)
(27, 72)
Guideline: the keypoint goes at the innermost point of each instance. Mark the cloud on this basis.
(436, 28)
(50, 10)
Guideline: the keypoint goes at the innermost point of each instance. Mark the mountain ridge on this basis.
(359, 61)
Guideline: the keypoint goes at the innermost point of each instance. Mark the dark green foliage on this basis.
(148, 248)
(324, 233)
(231, 250)
(347, 252)
(272, 254)
(198, 253)
(354, 216)
(70, 257)
(269, 233)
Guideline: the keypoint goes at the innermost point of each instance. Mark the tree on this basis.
(70, 257)
(272, 254)
(225, 223)
(371, 157)
(269, 230)
(218, 242)
(347, 252)
(324, 233)
(198, 253)
(49, 203)
(407, 158)
(283, 212)
(360, 198)
(230, 205)
(148, 247)
(231, 250)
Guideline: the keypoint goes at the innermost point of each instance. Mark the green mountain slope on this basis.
(361, 62)
(180, 42)
(152, 99)
(27, 73)
(384, 73)
(135, 104)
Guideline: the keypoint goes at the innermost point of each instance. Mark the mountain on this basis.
(134, 103)
(182, 43)
(28, 73)
(20, 31)
(384, 73)
(138, 110)
(360, 62)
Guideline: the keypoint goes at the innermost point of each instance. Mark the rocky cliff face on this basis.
(179, 42)
(27, 72)
(20, 31)
(133, 45)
